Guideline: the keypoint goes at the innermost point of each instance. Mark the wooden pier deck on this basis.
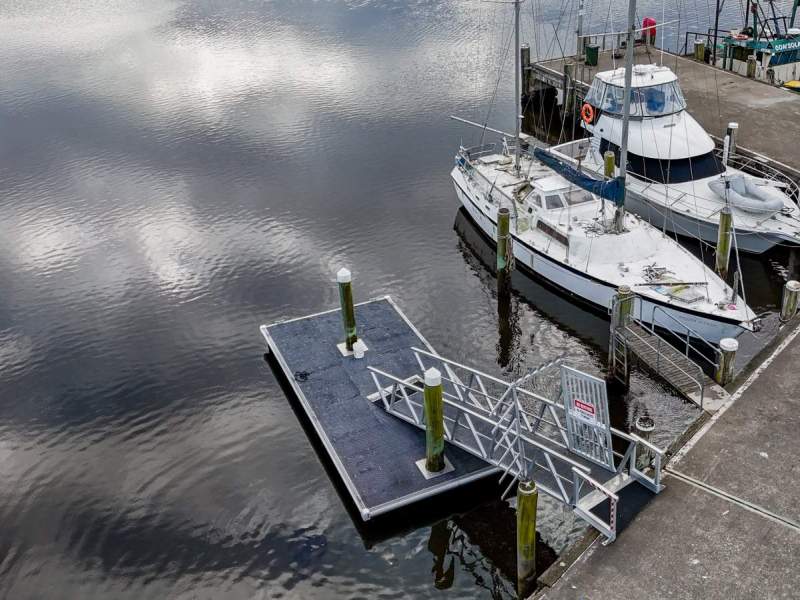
(768, 117)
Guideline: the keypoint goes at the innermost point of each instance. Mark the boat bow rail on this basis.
(530, 436)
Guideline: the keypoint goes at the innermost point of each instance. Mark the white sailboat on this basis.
(586, 245)
(677, 182)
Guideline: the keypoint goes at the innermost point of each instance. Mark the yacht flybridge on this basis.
(677, 182)
(566, 235)
(573, 231)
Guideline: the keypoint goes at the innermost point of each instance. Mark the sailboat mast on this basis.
(626, 110)
(517, 96)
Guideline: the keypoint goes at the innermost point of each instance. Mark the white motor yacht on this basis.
(676, 181)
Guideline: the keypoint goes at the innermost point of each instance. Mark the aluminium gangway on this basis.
(566, 445)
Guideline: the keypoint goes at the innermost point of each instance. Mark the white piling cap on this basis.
(793, 286)
(733, 125)
(433, 377)
(343, 276)
(728, 345)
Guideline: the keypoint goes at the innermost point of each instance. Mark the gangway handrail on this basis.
(690, 333)
(507, 435)
(697, 381)
(538, 397)
(450, 399)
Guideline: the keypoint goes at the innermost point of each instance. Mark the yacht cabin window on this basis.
(577, 196)
(553, 201)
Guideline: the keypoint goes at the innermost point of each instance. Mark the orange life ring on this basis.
(587, 113)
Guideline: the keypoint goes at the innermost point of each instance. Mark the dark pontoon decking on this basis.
(374, 452)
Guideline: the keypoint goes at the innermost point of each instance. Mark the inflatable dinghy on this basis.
(746, 194)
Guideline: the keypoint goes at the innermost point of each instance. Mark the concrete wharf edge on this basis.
(768, 116)
(728, 523)
(363, 460)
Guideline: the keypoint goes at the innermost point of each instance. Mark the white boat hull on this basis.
(589, 289)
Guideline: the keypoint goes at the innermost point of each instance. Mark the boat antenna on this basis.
(619, 216)
(517, 96)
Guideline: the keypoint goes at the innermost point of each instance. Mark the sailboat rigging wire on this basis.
(496, 87)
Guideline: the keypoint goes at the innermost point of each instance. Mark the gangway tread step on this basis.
(672, 365)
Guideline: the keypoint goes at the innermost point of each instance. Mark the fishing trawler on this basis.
(677, 181)
(766, 47)
(573, 231)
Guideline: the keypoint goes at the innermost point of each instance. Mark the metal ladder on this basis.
(529, 436)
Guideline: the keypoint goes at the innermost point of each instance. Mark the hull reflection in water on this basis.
(579, 320)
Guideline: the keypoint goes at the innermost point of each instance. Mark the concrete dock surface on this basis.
(768, 116)
(728, 523)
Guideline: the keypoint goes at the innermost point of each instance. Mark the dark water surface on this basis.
(174, 174)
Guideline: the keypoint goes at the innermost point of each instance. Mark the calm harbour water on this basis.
(174, 174)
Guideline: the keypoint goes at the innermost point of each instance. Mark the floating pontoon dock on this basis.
(368, 413)
(374, 453)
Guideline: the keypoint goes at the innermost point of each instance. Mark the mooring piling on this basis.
(624, 305)
(608, 163)
(527, 72)
(527, 499)
(504, 251)
(723, 252)
(434, 421)
(344, 278)
(789, 302)
(727, 357)
(644, 427)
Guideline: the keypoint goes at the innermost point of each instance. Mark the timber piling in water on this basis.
(527, 500)
(724, 236)
(434, 421)
(344, 280)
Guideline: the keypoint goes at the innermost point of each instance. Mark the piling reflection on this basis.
(481, 543)
(587, 325)
(508, 329)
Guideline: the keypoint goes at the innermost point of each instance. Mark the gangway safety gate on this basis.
(562, 442)
(586, 408)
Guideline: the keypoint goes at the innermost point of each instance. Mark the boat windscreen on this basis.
(651, 101)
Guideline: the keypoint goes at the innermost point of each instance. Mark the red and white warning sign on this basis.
(584, 410)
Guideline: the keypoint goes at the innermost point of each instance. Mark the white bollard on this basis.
(728, 348)
(789, 302)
